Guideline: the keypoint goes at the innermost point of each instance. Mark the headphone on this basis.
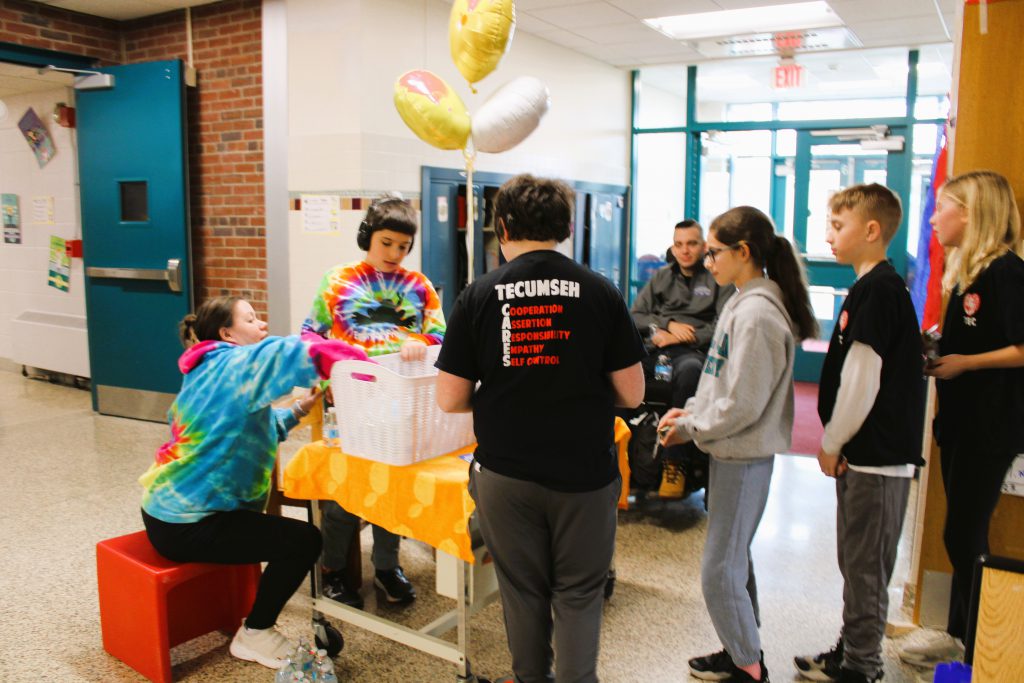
(366, 230)
(363, 236)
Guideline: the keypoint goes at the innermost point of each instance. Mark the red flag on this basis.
(936, 254)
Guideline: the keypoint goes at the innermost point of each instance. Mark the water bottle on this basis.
(284, 674)
(303, 657)
(663, 369)
(323, 668)
(332, 437)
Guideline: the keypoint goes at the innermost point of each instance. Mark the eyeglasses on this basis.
(711, 253)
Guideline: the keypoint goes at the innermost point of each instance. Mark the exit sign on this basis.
(787, 76)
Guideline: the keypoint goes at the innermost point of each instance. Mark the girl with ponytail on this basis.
(742, 415)
(207, 487)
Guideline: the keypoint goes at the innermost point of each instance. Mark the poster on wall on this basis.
(42, 210)
(38, 139)
(11, 218)
(321, 212)
(1014, 484)
(60, 264)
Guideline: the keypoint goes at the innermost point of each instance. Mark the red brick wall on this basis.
(225, 120)
(226, 139)
(34, 25)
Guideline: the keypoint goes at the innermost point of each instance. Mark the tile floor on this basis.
(71, 481)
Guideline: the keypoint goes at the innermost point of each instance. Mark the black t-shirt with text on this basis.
(878, 312)
(985, 407)
(540, 334)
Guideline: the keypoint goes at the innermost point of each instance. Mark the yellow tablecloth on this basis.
(428, 501)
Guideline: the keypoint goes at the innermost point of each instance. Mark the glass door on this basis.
(823, 165)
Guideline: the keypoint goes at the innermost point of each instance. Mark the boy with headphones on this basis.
(383, 308)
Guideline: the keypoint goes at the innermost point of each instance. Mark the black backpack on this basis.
(645, 454)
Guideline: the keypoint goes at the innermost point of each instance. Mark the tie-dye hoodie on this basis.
(224, 432)
(377, 311)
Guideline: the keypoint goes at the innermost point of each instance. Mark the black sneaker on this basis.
(851, 676)
(821, 667)
(334, 588)
(396, 587)
(714, 667)
(740, 676)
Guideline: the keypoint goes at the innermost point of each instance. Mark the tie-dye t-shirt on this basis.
(224, 431)
(377, 311)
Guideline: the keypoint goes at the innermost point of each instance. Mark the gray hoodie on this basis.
(743, 408)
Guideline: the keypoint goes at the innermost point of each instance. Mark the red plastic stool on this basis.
(149, 604)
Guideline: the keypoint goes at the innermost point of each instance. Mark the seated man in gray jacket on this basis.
(676, 313)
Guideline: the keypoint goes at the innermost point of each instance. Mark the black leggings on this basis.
(972, 478)
(290, 548)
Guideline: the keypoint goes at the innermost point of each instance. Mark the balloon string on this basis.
(470, 211)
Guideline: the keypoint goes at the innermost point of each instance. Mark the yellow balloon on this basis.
(479, 33)
(432, 109)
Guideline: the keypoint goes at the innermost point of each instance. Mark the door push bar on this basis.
(171, 274)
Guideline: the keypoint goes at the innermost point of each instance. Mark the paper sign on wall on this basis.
(60, 264)
(11, 218)
(42, 210)
(321, 212)
(1014, 484)
(37, 136)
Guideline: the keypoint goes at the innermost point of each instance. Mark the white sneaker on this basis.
(266, 646)
(931, 649)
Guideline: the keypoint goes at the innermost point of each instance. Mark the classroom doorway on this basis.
(826, 161)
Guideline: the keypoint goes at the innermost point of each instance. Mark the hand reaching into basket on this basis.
(413, 349)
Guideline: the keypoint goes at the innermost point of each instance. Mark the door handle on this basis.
(171, 274)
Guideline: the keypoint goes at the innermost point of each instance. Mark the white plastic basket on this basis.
(387, 411)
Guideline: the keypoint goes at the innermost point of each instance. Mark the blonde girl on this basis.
(980, 377)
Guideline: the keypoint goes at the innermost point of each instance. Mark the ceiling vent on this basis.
(786, 43)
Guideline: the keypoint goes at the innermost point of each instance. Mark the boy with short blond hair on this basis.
(871, 402)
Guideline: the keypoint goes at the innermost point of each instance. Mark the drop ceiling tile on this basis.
(544, 4)
(744, 4)
(622, 33)
(567, 39)
(910, 32)
(852, 11)
(651, 49)
(121, 10)
(650, 9)
(531, 24)
(584, 15)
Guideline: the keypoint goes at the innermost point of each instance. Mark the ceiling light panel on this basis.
(794, 16)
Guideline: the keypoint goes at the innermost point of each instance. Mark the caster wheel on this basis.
(329, 638)
(609, 584)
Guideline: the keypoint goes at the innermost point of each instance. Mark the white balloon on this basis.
(510, 114)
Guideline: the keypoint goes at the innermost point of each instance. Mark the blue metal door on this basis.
(606, 241)
(135, 231)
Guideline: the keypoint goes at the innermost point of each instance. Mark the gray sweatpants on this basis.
(737, 494)
(551, 551)
(340, 525)
(869, 518)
